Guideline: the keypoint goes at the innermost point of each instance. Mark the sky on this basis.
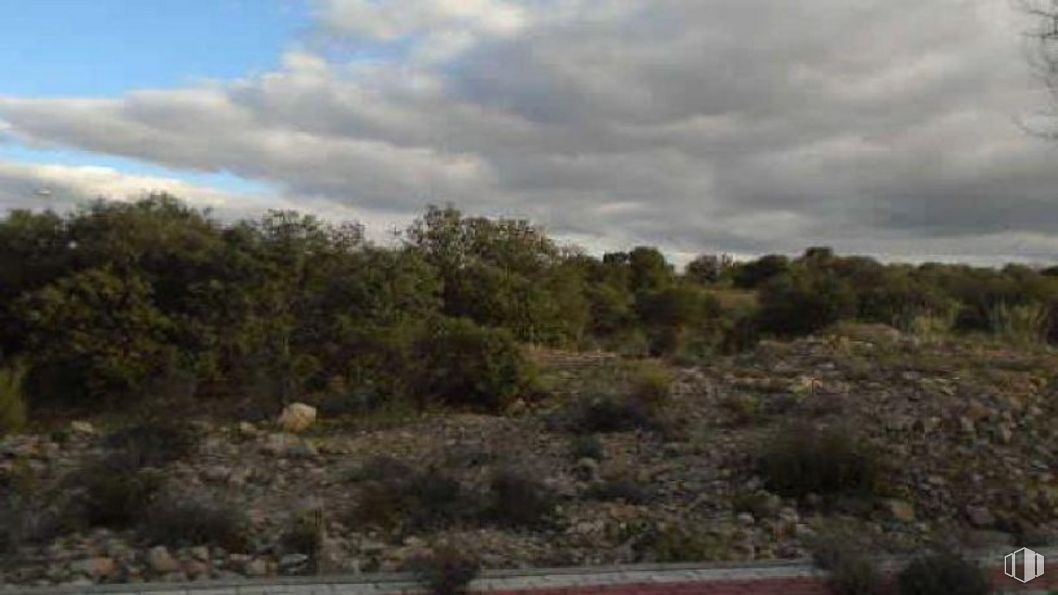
(894, 128)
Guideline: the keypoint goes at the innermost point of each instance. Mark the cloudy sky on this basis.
(885, 127)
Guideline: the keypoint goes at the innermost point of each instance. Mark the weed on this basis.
(651, 383)
(12, 399)
(154, 442)
(943, 574)
(188, 521)
(608, 414)
(805, 460)
(623, 490)
(586, 446)
(516, 499)
(447, 572)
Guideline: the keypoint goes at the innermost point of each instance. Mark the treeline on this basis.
(119, 300)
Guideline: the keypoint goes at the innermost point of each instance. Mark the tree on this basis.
(709, 268)
(1044, 34)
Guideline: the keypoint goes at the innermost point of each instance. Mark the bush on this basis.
(943, 574)
(806, 461)
(1025, 324)
(110, 494)
(651, 383)
(804, 301)
(850, 572)
(609, 414)
(465, 364)
(586, 446)
(680, 544)
(187, 521)
(154, 442)
(447, 572)
(421, 500)
(518, 500)
(12, 400)
(623, 490)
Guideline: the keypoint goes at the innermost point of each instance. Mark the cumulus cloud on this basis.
(748, 126)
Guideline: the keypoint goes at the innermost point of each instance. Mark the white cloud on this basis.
(740, 125)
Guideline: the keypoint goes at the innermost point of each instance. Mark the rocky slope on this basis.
(965, 433)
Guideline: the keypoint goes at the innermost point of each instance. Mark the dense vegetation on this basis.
(121, 300)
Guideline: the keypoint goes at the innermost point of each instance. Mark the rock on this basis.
(94, 567)
(967, 425)
(246, 429)
(196, 569)
(200, 553)
(297, 417)
(901, 511)
(293, 563)
(518, 407)
(82, 427)
(161, 561)
(216, 474)
(746, 519)
(586, 469)
(980, 516)
(256, 567)
(286, 445)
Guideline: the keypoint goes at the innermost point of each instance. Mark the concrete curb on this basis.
(626, 578)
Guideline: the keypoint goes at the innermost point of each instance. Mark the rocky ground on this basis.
(965, 431)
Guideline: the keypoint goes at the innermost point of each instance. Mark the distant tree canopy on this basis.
(120, 300)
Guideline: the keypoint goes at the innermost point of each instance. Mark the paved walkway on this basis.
(785, 578)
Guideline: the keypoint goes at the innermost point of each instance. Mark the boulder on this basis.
(901, 510)
(297, 417)
(980, 516)
(82, 427)
(161, 561)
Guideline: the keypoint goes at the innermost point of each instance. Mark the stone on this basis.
(82, 427)
(901, 510)
(980, 516)
(293, 562)
(287, 445)
(200, 553)
(256, 567)
(94, 567)
(195, 569)
(967, 425)
(297, 417)
(246, 429)
(746, 519)
(587, 469)
(161, 561)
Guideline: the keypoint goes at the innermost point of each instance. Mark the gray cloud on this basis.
(883, 127)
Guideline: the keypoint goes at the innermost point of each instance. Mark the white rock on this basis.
(297, 417)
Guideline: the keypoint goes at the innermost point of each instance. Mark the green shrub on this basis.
(680, 544)
(624, 490)
(586, 446)
(518, 500)
(465, 364)
(850, 572)
(154, 442)
(743, 410)
(651, 383)
(608, 414)
(186, 521)
(448, 571)
(417, 499)
(943, 574)
(110, 494)
(804, 460)
(1024, 324)
(804, 301)
(12, 400)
